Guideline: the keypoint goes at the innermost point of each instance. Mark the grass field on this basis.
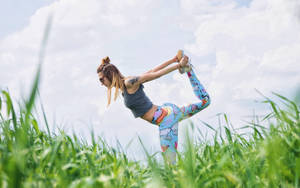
(31, 157)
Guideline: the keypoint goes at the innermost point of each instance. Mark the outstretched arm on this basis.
(163, 65)
(146, 77)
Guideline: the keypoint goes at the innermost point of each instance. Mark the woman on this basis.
(166, 116)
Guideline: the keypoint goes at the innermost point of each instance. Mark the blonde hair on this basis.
(112, 73)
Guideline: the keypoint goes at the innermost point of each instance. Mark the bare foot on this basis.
(183, 62)
(179, 55)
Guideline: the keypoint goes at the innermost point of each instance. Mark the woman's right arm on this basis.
(146, 77)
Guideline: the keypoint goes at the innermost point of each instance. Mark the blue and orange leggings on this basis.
(168, 115)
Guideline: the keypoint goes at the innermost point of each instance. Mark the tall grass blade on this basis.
(0, 104)
(209, 126)
(228, 134)
(34, 90)
(10, 108)
(44, 116)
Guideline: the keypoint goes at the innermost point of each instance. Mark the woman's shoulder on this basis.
(131, 84)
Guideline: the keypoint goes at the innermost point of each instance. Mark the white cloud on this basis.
(255, 47)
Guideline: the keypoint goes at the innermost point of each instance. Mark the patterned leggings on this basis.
(168, 115)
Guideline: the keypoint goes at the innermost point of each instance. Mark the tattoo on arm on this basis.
(133, 80)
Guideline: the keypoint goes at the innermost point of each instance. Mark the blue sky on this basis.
(15, 14)
(236, 47)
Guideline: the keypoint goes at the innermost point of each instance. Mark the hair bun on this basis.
(105, 60)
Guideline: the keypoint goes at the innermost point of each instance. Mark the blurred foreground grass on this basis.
(31, 157)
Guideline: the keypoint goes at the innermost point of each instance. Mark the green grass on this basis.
(31, 157)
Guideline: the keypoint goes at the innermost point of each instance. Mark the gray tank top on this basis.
(137, 102)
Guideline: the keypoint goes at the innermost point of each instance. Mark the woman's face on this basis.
(103, 80)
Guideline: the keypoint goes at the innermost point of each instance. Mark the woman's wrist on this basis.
(179, 65)
(175, 59)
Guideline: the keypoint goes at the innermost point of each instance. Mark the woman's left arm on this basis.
(163, 65)
(146, 77)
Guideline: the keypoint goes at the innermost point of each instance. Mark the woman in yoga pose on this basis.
(165, 116)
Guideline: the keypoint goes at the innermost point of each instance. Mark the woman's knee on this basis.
(206, 101)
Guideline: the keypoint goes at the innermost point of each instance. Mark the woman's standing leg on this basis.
(169, 142)
(200, 92)
(167, 117)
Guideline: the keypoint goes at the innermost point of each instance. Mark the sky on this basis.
(236, 46)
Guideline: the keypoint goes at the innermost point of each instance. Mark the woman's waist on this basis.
(148, 116)
(167, 110)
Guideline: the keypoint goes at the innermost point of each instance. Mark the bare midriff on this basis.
(148, 116)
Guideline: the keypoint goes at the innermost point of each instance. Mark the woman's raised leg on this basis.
(200, 92)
